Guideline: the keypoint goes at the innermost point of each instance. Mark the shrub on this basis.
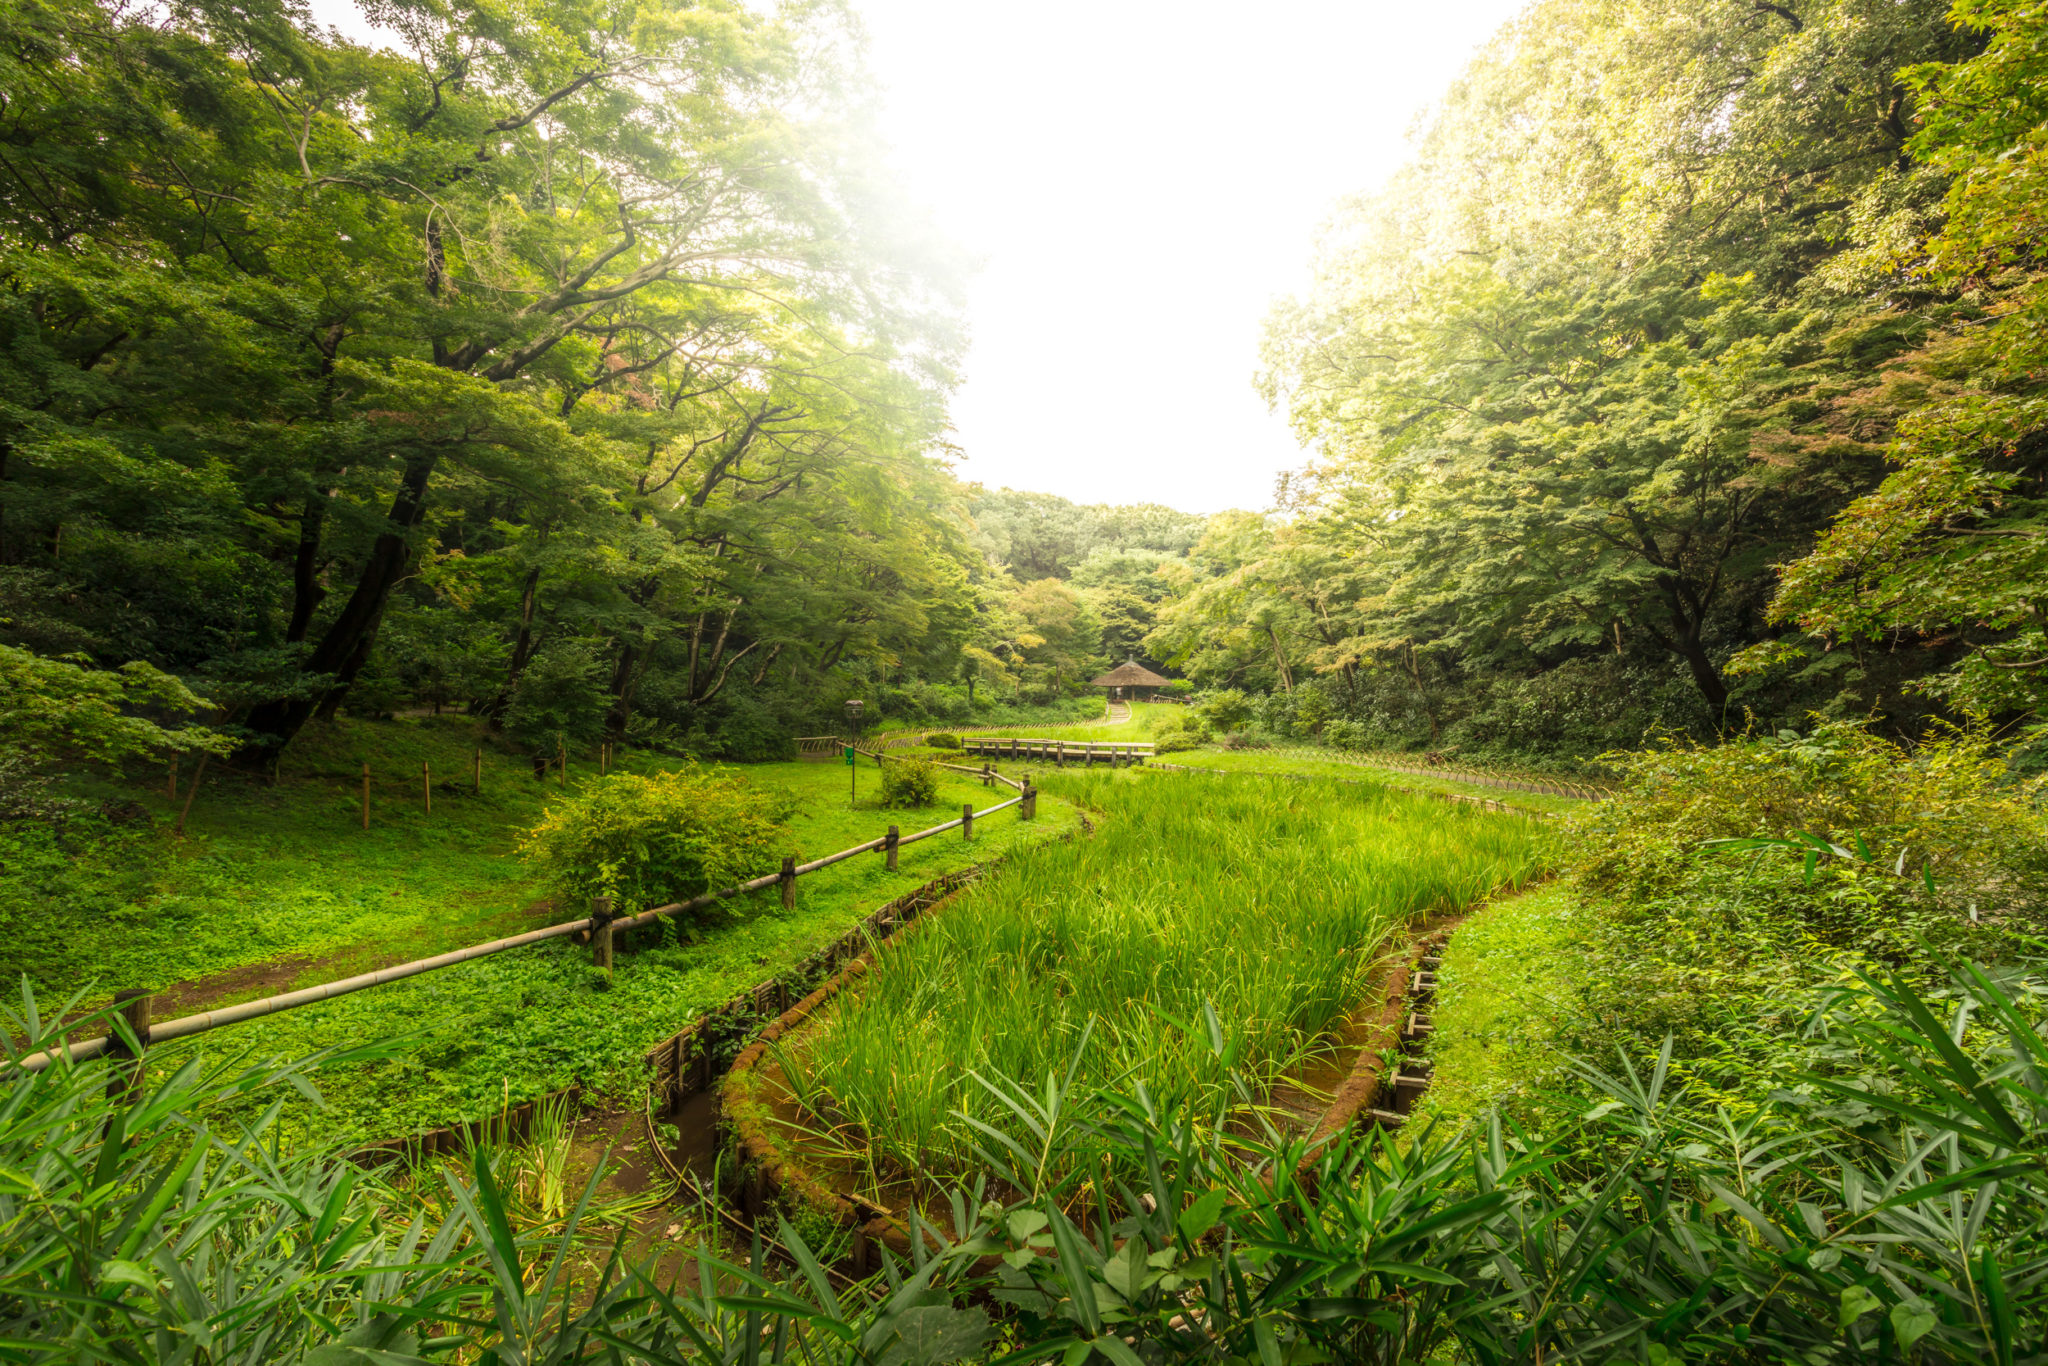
(1728, 889)
(910, 782)
(647, 841)
(1227, 710)
(1184, 729)
(1242, 740)
(1943, 805)
(1344, 734)
(942, 740)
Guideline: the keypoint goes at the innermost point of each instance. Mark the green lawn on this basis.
(1308, 766)
(282, 882)
(1509, 976)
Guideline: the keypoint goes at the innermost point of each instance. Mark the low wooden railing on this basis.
(601, 926)
(1059, 753)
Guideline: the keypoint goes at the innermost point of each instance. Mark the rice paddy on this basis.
(1098, 963)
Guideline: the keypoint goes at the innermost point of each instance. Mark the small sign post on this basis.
(853, 710)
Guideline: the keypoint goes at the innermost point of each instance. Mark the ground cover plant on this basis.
(1264, 906)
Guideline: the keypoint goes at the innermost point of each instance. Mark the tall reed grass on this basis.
(1268, 902)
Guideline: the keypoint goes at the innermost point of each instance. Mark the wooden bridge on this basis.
(1059, 753)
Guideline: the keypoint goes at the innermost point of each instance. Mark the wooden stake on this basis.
(427, 785)
(788, 881)
(967, 820)
(601, 934)
(135, 1010)
(890, 848)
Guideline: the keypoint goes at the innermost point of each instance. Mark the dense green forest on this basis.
(1579, 894)
(591, 381)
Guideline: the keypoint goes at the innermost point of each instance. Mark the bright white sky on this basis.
(1140, 181)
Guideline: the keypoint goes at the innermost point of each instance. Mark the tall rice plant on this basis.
(1269, 902)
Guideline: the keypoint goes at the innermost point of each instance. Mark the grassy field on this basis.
(1267, 761)
(279, 887)
(1270, 901)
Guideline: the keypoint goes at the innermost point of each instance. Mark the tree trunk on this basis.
(1687, 619)
(345, 646)
(1286, 675)
(625, 681)
(524, 646)
(306, 589)
(1421, 694)
(1704, 674)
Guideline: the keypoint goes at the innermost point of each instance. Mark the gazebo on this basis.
(1130, 674)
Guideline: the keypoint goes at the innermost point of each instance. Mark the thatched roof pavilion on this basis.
(1130, 674)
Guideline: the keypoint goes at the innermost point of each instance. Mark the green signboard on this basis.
(849, 756)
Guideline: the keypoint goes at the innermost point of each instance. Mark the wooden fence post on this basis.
(427, 785)
(967, 820)
(366, 794)
(890, 848)
(676, 1090)
(1028, 808)
(601, 934)
(476, 773)
(135, 1010)
(788, 881)
(987, 780)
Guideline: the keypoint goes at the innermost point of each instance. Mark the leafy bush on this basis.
(647, 841)
(909, 782)
(1245, 740)
(1943, 806)
(942, 740)
(1182, 729)
(1227, 710)
(1345, 735)
(1728, 889)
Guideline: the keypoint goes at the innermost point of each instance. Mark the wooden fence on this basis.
(687, 1062)
(601, 926)
(1117, 753)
